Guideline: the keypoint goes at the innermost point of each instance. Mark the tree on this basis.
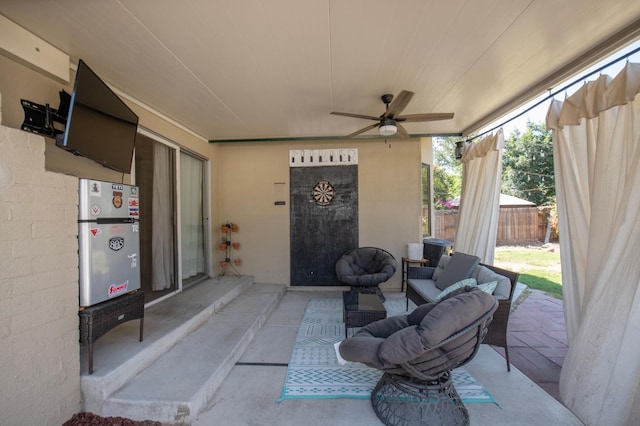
(446, 186)
(528, 165)
(447, 172)
(444, 154)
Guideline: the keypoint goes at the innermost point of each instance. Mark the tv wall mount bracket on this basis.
(41, 119)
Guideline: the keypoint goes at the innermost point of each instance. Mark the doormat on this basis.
(314, 370)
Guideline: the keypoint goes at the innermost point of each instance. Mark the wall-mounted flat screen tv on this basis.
(100, 126)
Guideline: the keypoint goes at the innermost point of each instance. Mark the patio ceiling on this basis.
(256, 69)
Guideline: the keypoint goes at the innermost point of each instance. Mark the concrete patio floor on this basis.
(249, 393)
(217, 354)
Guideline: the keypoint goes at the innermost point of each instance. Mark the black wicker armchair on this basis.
(417, 353)
(365, 268)
(497, 333)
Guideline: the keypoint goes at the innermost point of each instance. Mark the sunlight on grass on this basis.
(539, 268)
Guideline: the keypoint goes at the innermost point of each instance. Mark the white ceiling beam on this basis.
(20, 45)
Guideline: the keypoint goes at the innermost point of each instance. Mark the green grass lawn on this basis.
(539, 268)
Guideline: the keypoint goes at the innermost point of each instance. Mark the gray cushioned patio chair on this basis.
(417, 353)
(365, 268)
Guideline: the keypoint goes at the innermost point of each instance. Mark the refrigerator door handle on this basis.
(101, 221)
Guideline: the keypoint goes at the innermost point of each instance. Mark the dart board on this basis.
(323, 193)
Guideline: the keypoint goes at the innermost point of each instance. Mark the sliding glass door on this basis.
(192, 218)
(173, 209)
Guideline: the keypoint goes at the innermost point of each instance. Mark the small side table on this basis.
(97, 320)
(406, 263)
(360, 309)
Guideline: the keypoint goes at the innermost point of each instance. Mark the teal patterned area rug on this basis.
(314, 371)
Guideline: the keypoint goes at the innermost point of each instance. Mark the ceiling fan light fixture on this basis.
(388, 128)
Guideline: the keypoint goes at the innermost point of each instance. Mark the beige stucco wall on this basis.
(39, 351)
(426, 151)
(389, 200)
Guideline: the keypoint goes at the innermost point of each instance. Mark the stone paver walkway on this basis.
(538, 340)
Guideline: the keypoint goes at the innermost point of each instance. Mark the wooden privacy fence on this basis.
(515, 225)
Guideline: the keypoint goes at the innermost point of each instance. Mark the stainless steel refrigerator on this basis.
(108, 239)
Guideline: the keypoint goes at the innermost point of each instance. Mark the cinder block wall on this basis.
(39, 350)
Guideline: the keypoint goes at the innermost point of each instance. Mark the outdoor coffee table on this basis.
(360, 309)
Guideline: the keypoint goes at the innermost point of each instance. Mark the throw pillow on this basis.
(463, 283)
(488, 287)
(442, 263)
(459, 267)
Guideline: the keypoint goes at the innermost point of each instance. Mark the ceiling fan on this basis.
(388, 123)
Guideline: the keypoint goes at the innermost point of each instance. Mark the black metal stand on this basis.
(228, 265)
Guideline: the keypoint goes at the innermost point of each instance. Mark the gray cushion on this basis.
(365, 266)
(364, 345)
(459, 267)
(442, 263)
(396, 340)
(483, 275)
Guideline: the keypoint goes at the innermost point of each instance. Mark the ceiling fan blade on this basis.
(366, 129)
(348, 114)
(402, 131)
(412, 118)
(399, 103)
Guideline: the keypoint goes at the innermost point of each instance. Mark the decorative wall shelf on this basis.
(323, 157)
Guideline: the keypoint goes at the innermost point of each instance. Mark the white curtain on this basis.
(480, 197)
(192, 217)
(596, 137)
(162, 219)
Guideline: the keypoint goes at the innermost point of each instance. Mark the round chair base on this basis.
(399, 400)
